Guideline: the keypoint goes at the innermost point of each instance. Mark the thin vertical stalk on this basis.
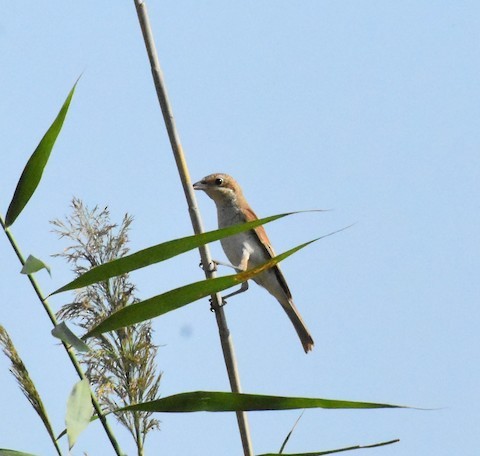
(70, 352)
(225, 336)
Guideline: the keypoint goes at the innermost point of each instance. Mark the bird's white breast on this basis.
(234, 246)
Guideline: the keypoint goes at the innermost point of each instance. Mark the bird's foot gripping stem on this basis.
(243, 287)
(212, 266)
(213, 308)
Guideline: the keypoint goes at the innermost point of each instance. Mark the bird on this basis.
(251, 248)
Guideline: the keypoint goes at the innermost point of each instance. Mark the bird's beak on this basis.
(199, 185)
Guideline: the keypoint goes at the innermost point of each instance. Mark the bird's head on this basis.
(222, 188)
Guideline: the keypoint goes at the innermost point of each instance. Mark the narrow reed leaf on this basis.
(161, 304)
(32, 173)
(338, 450)
(179, 297)
(63, 332)
(214, 401)
(287, 438)
(79, 411)
(5, 452)
(160, 252)
(33, 264)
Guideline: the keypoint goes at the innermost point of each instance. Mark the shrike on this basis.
(251, 248)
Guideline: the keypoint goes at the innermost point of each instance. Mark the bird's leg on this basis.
(215, 263)
(243, 287)
(221, 263)
(241, 267)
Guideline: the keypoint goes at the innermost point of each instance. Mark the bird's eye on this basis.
(218, 181)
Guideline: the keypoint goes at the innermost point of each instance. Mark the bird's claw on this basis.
(211, 267)
(213, 308)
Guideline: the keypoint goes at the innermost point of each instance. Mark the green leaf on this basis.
(287, 438)
(214, 401)
(32, 173)
(339, 450)
(179, 297)
(63, 332)
(161, 304)
(34, 265)
(79, 411)
(160, 252)
(5, 452)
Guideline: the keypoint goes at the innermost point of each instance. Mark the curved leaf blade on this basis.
(32, 173)
(215, 401)
(33, 264)
(160, 252)
(338, 450)
(5, 452)
(287, 438)
(179, 297)
(79, 411)
(65, 334)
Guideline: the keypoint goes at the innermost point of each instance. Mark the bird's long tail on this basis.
(299, 325)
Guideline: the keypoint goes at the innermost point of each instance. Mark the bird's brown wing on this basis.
(265, 242)
(250, 216)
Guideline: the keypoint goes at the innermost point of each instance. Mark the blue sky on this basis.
(371, 109)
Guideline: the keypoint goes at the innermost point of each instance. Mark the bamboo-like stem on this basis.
(69, 350)
(225, 336)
